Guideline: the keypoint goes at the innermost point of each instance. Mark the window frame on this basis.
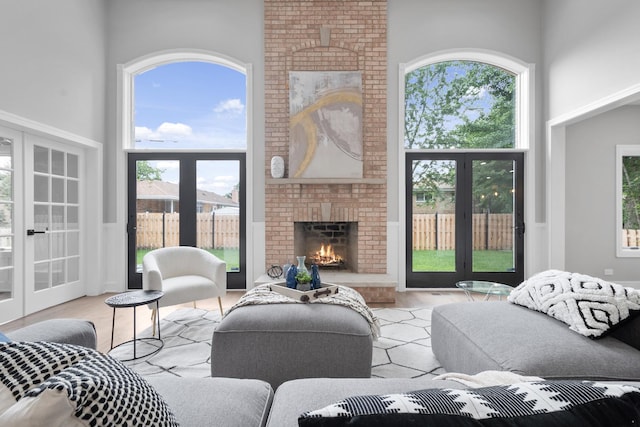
(525, 135)
(125, 139)
(623, 151)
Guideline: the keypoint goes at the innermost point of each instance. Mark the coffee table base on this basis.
(156, 343)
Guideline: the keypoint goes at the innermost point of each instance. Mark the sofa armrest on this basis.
(66, 331)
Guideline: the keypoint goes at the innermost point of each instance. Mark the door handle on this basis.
(31, 232)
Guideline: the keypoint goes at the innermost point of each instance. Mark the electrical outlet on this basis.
(608, 271)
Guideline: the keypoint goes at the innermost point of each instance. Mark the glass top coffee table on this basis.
(487, 289)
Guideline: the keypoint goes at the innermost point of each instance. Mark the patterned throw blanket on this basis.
(347, 297)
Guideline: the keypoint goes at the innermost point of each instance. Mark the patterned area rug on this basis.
(402, 351)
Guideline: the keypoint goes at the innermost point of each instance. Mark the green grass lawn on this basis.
(492, 261)
(230, 256)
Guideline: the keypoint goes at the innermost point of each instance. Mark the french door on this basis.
(53, 223)
(465, 218)
(187, 199)
(11, 224)
(41, 256)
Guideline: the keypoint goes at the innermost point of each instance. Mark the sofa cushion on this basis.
(589, 305)
(297, 396)
(67, 331)
(548, 403)
(628, 332)
(216, 402)
(471, 337)
(62, 384)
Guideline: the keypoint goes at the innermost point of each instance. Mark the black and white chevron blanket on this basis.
(589, 305)
(526, 404)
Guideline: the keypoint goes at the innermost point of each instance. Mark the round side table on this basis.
(135, 299)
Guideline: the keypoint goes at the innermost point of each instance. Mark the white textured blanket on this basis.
(347, 297)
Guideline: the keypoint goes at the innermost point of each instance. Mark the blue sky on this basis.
(194, 105)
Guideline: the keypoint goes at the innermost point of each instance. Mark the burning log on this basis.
(326, 257)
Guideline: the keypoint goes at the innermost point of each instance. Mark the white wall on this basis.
(591, 66)
(53, 64)
(590, 193)
(590, 51)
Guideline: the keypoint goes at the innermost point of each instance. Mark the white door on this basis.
(11, 226)
(53, 223)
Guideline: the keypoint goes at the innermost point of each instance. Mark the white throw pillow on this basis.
(589, 305)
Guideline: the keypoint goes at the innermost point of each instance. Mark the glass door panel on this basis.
(218, 209)
(6, 221)
(157, 206)
(493, 196)
(433, 191)
(55, 190)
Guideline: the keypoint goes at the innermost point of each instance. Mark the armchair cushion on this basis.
(184, 274)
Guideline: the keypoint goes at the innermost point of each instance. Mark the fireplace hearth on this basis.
(330, 245)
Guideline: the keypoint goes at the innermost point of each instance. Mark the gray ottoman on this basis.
(281, 342)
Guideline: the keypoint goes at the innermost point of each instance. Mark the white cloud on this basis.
(167, 164)
(230, 106)
(166, 132)
(174, 129)
(143, 132)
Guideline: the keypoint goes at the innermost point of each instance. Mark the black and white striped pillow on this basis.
(64, 384)
(543, 403)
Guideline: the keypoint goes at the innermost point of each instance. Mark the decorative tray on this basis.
(325, 289)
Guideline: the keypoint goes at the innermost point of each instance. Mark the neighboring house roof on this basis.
(162, 190)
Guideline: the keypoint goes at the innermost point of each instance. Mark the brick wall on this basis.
(358, 42)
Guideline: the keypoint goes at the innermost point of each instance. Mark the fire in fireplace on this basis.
(330, 245)
(326, 257)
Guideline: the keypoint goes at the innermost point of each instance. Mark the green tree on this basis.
(631, 192)
(146, 172)
(460, 104)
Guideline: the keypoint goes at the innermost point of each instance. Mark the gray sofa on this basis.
(470, 337)
(467, 338)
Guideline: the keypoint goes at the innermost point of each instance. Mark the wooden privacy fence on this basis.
(631, 238)
(157, 230)
(437, 231)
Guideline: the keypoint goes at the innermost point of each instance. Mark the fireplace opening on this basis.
(330, 245)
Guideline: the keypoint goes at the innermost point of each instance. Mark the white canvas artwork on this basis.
(325, 124)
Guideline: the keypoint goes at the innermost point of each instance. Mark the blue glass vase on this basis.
(315, 277)
(291, 276)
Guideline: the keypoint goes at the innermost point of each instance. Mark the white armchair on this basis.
(184, 274)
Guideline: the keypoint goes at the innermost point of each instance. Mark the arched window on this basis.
(185, 139)
(466, 100)
(460, 104)
(465, 128)
(190, 105)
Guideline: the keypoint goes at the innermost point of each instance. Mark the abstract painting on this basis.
(325, 124)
